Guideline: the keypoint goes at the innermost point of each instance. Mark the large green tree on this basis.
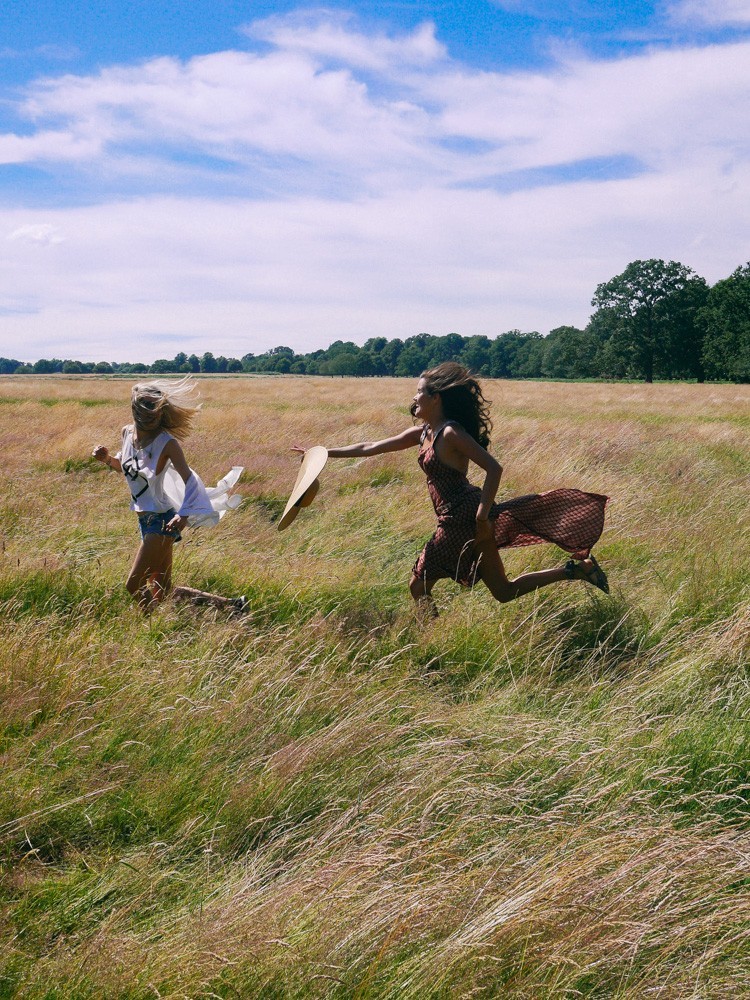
(516, 355)
(646, 311)
(476, 354)
(568, 353)
(447, 348)
(208, 362)
(725, 320)
(415, 356)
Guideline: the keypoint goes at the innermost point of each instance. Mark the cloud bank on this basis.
(331, 182)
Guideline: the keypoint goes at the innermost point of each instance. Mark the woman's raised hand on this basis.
(100, 453)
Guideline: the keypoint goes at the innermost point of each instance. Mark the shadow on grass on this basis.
(270, 504)
(364, 611)
(465, 663)
(349, 613)
(601, 636)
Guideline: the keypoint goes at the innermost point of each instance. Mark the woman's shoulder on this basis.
(451, 429)
(167, 443)
(161, 440)
(457, 438)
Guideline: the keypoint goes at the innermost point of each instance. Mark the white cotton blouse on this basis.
(157, 493)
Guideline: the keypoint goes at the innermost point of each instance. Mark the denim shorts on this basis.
(152, 523)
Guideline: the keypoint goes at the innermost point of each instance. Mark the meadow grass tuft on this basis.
(546, 799)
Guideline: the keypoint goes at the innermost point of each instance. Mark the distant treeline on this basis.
(655, 320)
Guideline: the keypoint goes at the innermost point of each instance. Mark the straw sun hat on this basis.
(307, 485)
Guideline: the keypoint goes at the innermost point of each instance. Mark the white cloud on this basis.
(231, 105)
(40, 233)
(334, 37)
(54, 146)
(711, 12)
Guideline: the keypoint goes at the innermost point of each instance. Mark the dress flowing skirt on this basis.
(570, 519)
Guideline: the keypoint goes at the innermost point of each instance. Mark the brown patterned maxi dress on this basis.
(571, 519)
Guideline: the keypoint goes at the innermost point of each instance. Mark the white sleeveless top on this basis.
(158, 493)
(139, 469)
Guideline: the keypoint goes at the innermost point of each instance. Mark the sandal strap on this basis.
(569, 569)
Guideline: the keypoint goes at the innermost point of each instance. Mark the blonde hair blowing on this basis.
(165, 405)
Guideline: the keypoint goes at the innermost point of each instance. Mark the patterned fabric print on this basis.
(571, 519)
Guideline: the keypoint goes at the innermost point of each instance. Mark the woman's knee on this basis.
(502, 590)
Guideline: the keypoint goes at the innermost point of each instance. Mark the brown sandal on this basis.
(595, 576)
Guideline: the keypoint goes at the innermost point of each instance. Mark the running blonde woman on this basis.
(453, 431)
(167, 494)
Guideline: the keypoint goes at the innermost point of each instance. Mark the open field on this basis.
(547, 799)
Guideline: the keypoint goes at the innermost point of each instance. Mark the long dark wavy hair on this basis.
(462, 399)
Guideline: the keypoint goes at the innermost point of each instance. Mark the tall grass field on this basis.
(324, 798)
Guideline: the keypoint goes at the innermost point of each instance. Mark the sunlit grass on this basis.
(545, 799)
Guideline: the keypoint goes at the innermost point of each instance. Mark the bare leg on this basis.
(421, 591)
(203, 597)
(160, 582)
(150, 579)
(503, 590)
(150, 574)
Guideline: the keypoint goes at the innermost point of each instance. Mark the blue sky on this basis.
(232, 176)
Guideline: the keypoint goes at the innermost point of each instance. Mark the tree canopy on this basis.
(648, 311)
(725, 322)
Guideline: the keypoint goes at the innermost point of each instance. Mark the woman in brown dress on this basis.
(453, 430)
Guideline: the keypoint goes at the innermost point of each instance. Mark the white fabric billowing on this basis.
(159, 492)
(201, 505)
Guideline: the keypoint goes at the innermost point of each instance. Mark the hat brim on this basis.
(307, 484)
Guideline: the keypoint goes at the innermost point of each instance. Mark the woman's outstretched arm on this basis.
(407, 439)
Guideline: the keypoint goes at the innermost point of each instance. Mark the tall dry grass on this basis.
(545, 799)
